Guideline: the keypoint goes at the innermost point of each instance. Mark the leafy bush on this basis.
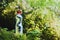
(49, 34)
(8, 35)
(42, 23)
(32, 34)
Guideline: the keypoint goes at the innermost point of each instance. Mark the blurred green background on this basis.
(41, 19)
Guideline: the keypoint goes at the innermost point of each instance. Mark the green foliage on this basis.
(49, 34)
(8, 35)
(42, 23)
(46, 34)
(33, 34)
(43, 18)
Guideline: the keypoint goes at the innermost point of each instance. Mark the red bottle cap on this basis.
(19, 12)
